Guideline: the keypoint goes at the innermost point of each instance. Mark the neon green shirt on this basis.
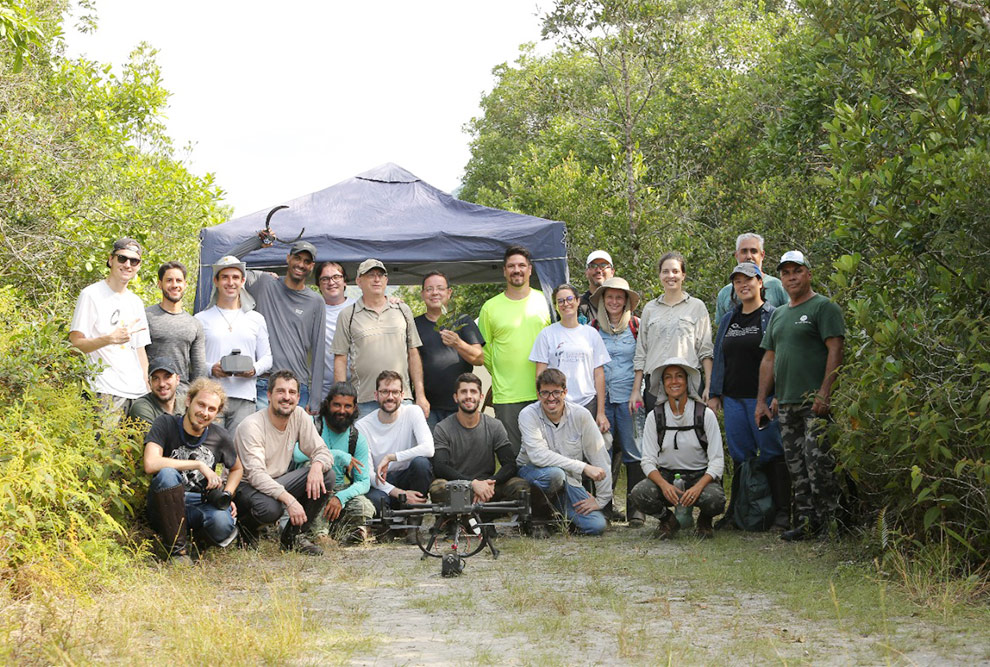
(510, 329)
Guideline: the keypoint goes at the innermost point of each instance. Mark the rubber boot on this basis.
(726, 521)
(634, 475)
(171, 505)
(780, 491)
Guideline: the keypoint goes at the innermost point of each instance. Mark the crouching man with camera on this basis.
(187, 492)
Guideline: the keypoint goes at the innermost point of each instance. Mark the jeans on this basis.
(744, 439)
(622, 431)
(261, 385)
(417, 477)
(553, 482)
(217, 524)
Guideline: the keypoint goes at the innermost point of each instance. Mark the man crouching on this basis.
(265, 441)
(182, 452)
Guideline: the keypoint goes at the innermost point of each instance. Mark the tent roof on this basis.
(391, 215)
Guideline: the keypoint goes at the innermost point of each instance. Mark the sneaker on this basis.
(304, 545)
(667, 527)
(803, 531)
(704, 527)
(539, 531)
(359, 535)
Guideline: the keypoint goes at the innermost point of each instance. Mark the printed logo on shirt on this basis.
(803, 320)
(298, 311)
(115, 317)
(735, 330)
(568, 356)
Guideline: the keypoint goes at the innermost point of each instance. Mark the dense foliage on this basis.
(855, 130)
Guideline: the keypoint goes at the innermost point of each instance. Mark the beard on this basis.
(468, 410)
(339, 422)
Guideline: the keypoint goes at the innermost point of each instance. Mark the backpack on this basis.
(351, 446)
(698, 427)
(753, 505)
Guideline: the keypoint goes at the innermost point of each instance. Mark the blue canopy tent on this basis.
(391, 215)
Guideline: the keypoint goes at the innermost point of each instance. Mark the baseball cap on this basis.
(747, 269)
(793, 257)
(229, 262)
(368, 265)
(598, 254)
(162, 364)
(126, 243)
(303, 246)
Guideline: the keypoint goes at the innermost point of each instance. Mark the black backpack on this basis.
(698, 427)
(753, 507)
(352, 446)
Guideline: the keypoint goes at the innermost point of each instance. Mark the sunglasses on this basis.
(124, 259)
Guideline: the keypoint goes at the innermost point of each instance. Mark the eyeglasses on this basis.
(390, 392)
(435, 290)
(124, 259)
(565, 299)
(604, 266)
(556, 393)
(335, 278)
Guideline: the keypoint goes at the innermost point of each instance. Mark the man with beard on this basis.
(349, 507)
(175, 334)
(295, 316)
(509, 323)
(467, 445)
(401, 448)
(599, 270)
(265, 442)
(182, 453)
(164, 378)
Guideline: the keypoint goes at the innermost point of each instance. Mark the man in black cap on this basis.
(296, 319)
(109, 325)
(164, 378)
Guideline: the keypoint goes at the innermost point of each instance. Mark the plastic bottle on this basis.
(682, 513)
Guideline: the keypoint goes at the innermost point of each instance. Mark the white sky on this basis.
(282, 99)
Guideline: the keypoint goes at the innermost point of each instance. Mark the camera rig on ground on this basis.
(461, 528)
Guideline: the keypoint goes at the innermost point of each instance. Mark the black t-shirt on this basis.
(743, 354)
(214, 446)
(442, 364)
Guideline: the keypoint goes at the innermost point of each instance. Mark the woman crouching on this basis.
(681, 436)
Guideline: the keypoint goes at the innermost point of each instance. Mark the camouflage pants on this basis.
(356, 512)
(810, 464)
(648, 497)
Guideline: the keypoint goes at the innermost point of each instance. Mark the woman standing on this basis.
(674, 324)
(578, 352)
(735, 380)
(613, 304)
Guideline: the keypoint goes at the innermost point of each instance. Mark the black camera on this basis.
(219, 498)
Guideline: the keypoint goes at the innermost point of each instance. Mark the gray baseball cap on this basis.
(162, 364)
(303, 246)
(793, 257)
(747, 269)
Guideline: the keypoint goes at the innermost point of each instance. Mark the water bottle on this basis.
(682, 513)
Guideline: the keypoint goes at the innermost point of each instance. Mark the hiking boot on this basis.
(803, 531)
(612, 514)
(667, 527)
(539, 531)
(325, 542)
(304, 545)
(359, 535)
(180, 560)
(726, 523)
(704, 527)
(636, 519)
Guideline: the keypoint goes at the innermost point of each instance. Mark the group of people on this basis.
(278, 404)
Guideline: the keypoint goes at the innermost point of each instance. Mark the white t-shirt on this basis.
(407, 437)
(332, 313)
(228, 330)
(576, 352)
(100, 310)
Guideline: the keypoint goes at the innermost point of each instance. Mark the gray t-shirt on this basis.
(462, 453)
(179, 337)
(296, 326)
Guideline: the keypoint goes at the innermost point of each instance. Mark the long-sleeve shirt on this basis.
(470, 453)
(266, 452)
(178, 337)
(228, 330)
(338, 443)
(683, 330)
(682, 449)
(407, 437)
(565, 445)
(296, 324)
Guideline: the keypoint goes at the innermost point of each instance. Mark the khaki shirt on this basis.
(683, 330)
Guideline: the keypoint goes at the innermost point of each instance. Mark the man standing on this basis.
(749, 248)
(331, 279)
(229, 326)
(295, 318)
(349, 507)
(265, 441)
(161, 400)
(599, 269)
(803, 344)
(557, 438)
(109, 325)
(182, 453)
(510, 323)
(449, 349)
(374, 335)
(467, 446)
(401, 448)
(175, 334)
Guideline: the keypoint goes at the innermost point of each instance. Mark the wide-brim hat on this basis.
(229, 262)
(693, 377)
(615, 282)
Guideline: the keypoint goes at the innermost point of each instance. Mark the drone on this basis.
(459, 530)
